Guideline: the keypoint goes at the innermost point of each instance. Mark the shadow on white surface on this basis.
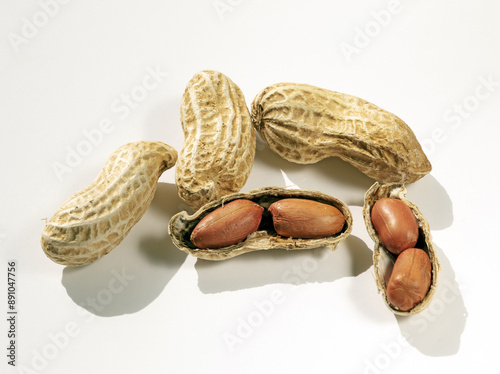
(132, 275)
(433, 201)
(331, 175)
(256, 269)
(342, 180)
(437, 330)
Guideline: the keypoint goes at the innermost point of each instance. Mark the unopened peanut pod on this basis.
(305, 124)
(265, 238)
(95, 220)
(219, 139)
(383, 260)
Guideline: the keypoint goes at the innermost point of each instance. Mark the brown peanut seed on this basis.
(410, 279)
(395, 224)
(227, 225)
(307, 219)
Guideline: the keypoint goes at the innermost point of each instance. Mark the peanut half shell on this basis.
(305, 124)
(383, 260)
(265, 238)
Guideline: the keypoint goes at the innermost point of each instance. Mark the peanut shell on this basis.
(219, 140)
(383, 260)
(95, 220)
(265, 238)
(305, 124)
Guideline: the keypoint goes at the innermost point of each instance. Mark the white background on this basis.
(67, 68)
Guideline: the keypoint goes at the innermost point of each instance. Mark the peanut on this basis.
(395, 224)
(410, 279)
(305, 124)
(219, 140)
(228, 225)
(182, 225)
(385, 263)
(307, 219)
(95, 220)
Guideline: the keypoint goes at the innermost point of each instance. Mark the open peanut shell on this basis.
(265, 238)
(383, 260)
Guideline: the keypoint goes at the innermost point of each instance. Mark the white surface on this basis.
(156, 309)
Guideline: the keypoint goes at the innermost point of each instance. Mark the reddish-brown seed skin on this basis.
(410, 279)
(395, 224)
(228, 225)
(305, 219)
